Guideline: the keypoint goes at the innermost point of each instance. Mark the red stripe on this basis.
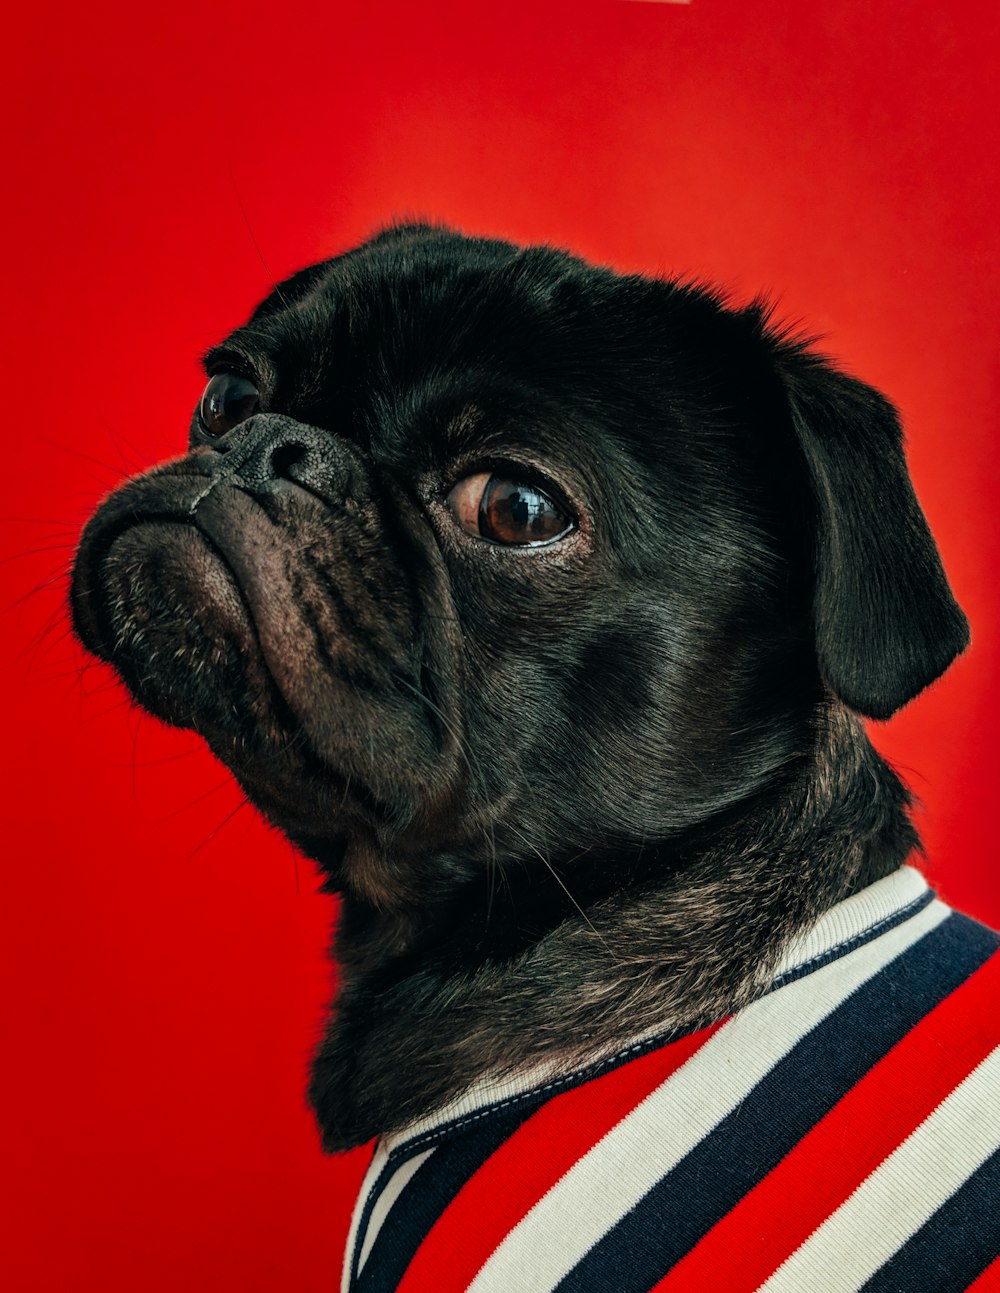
(989, 1281)
(876, 1115)
(526, 1166)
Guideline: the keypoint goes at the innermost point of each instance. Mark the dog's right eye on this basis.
(505, 511)
(228, 400)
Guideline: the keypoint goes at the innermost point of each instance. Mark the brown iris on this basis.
(506, 511)
(229, 399)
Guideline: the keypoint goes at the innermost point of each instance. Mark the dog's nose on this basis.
(271, 446)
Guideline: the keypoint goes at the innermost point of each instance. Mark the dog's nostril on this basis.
(284, 457)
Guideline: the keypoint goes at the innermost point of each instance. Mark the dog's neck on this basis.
(693, 936)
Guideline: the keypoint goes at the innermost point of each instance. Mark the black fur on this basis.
(567, 793)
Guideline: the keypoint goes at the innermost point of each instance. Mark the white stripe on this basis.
(370, 1177)
(611, 1178)
(394, 1187)
(902, 1194)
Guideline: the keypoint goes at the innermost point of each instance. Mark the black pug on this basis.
(537, 604)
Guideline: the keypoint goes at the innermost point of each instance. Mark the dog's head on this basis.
(484, 552)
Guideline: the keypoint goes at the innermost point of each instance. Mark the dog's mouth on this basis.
(249, 617)
(166, 592)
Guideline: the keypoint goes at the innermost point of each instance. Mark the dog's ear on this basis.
(885, 619)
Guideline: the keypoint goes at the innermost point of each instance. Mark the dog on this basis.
(540, 606)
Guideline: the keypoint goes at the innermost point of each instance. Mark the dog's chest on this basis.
(843, 1132)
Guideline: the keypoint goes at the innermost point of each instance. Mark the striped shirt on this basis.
(841, 1133)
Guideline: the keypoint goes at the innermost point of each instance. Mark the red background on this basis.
(167, 952)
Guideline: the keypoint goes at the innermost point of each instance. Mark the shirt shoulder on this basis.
(864, 1084)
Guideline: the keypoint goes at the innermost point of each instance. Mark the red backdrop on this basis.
(167, 951)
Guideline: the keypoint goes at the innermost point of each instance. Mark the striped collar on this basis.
(848, 925)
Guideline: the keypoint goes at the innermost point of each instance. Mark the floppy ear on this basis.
(885, 618)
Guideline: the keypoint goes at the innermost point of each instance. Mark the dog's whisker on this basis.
(244, 803)
(559, 880)
(60, 576)
(116, 473)
(101, 689)
(46, 636)
(196, 800)
(59, 525)
(295, 865)
(34, 552)
(493, 868)
(118, 437)
(253, 238)
(159, 761)
(125, 702)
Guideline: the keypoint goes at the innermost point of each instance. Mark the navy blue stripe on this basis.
(956, 1244)
(799, 1090)
(427, 1194)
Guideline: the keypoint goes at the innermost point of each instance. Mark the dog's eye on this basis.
(506, 511)
(228, 400)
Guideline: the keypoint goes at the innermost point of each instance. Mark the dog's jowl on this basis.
(541, 606)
